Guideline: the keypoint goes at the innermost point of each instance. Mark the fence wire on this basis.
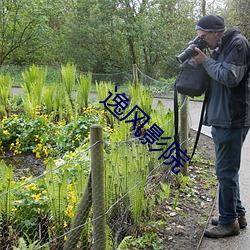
(39, 213)
(124, 210)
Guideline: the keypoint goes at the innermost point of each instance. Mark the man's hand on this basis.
(200, 58)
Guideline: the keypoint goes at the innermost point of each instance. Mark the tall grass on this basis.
(141, 96)
(83, 91)
(33, 86)
(5, 90)
(6, 184)
(103, 89)
(68, 74)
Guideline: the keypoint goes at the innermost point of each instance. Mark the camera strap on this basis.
(176, 120)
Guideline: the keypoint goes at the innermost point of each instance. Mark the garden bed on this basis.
(148, 207)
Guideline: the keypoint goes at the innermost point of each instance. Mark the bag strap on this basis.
(200, 125)
(176, 120)
(176, 115)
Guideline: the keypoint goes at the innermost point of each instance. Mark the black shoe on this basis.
(221, 231)
(241, 219)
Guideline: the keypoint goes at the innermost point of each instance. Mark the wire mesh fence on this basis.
(56, 209)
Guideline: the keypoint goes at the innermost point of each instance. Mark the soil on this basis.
(187, 222)
(25, 164)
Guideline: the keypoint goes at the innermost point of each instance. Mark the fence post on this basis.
(80, 218)
(184, 129)
(98, 195)
(135, 74)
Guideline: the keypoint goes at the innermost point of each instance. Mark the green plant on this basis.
(105, 90)
(164, 192)
(5, 90)
(48, 98)
(29, 245)
(34, 81)
(141, 96)
(184, 181)
(68, 74)
(6, 184)
(165, 120)
(56, 187)
(30, 207)
(83, 91)
(44, 137)
(147, 241)
(176, 199)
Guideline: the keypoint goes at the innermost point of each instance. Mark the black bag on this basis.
(192, 80)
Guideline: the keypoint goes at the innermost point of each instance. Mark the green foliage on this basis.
(57, 188)
(184, 181)
(176, 199)
(68, 74)
(6, 184)
(83, 91)
(141, 96)
(5, 90)
(165, 120)
(30, 206)
(33, 85)
(165, 190)
(55, 196)
(23, 25)
(103, 36)
(147, 241)
(125, 172)
(103, 91)
(43, 137)
(48, 98)
(29, 245)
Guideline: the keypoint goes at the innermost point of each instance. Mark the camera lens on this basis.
(190, 50)
(187, 53)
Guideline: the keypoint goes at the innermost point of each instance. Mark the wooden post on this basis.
(98, 195)
(184, 129)
(135, 74)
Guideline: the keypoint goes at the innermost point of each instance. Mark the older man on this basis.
(228, 112)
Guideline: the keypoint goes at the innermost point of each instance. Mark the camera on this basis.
(190, 51)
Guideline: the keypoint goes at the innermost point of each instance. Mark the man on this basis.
(228, 112)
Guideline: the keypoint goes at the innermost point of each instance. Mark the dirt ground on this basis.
(186, 224)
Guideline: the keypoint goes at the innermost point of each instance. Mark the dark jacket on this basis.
(228, 103)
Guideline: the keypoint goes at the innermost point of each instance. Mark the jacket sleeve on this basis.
(234, 66)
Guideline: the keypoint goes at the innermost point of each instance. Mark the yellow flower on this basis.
(73, 199)
(69, 211)
(45, 151)
(37, 196)
(31, 186)
(14, 209)
(6, 132)
(38, 155)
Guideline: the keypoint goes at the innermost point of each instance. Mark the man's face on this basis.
(211, 38)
